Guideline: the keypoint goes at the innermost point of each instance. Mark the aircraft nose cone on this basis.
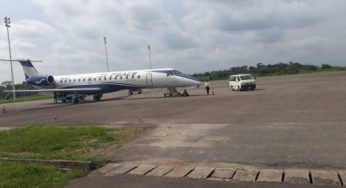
(197, 82)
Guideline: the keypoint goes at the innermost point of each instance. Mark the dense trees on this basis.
(266, 70)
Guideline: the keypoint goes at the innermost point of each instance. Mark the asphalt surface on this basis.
(289, 121)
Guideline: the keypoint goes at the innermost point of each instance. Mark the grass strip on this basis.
(13, 174)
(82, 143)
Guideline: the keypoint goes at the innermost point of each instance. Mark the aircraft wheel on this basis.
(97, 97)
(75, 100)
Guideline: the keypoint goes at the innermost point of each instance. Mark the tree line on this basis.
(267, 70)
(7, 85)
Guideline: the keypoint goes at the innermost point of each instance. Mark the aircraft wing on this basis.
(55, 90)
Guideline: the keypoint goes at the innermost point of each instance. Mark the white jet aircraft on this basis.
(76, 86)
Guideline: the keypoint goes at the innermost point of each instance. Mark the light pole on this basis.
(149, 48)
(105, 40)
(7, 24)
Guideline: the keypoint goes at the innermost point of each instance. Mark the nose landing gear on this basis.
(173, 92)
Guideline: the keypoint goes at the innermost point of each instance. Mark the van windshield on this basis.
(246, 77)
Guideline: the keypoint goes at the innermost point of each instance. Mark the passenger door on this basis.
(149, 80)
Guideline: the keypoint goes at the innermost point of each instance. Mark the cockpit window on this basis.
(178, 72)
(174, 72)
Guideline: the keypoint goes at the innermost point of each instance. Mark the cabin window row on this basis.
(99, 79)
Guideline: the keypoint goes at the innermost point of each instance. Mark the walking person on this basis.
(207, 87)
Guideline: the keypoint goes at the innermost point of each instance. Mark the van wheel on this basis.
(232, 88)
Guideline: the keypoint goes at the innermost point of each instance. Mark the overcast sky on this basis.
(191, 35)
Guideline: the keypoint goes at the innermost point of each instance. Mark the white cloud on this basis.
(193, 36)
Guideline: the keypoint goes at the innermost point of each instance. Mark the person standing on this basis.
(207, 87)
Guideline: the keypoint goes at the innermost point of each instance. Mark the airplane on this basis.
(76, 87)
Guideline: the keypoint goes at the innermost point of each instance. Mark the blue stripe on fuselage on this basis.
(105, 88)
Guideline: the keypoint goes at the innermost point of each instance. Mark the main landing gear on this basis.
(131, 91)
(173, 92)
(97, 97)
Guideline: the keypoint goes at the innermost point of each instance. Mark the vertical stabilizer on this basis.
(28, 68)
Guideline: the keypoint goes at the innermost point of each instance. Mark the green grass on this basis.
(13, 174)
(85, 143)
(69, 143)
(28, 98)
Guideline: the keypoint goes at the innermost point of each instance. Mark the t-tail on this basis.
(28, 68)
(33, 77)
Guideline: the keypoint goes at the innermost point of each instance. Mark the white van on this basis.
(242, 81)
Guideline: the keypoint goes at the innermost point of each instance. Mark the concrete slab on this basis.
(160, 171)
(223, 173)
(342, 174)
(270, 175)
(201, 172)
(297, 176)
(324, 177)
(122, 169)
(216, 179)
(246, 175)
(142, 169)
(107, 168)
(180, 171)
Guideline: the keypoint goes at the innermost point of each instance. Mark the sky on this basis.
(192, 36)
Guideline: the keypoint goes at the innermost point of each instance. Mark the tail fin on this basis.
(28, 68)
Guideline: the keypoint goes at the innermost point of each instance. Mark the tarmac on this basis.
(289, 122)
